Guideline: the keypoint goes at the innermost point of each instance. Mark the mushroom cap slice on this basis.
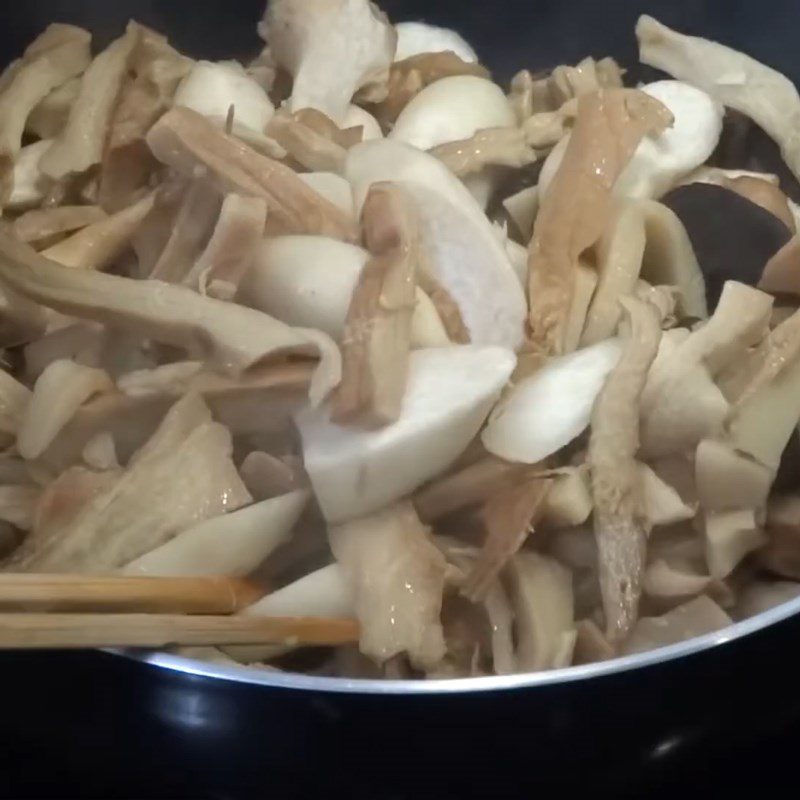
(414, 38)
(449, 393)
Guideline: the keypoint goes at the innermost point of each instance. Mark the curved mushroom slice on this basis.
(695, 618)
(522, 208)
(680, 403)
(333, 188)
(47, 120)
(332, 48)
(620, 522)
(80, 144)
(314, 145)
(28, 184)
(673, 582)
(574, 213)
(397, 576)
(453, 109)
(212, 88)
(669, 259)
(732, 78)
(782, 272)
(59, 391)
(98, 245)
(189, 143)
(357, 117)
(462, 257)
(547, 410)
(662, 503)
(231, 250)
(409, 76)
(377, 335)
(619, 253)
(183, 474)
(57, 55)
(543, 603)
(727, 479)
(100, 452)
(231, 544)
(569, 501)
(590, 644)
(450, 392)
(414, 38)
(509, 516)
(232, 336)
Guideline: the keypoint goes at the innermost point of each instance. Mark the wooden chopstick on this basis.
(123, 593)
(63, 631)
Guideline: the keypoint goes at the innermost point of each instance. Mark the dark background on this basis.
(92, 725)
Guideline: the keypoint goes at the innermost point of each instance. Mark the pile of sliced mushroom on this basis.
(256, 320)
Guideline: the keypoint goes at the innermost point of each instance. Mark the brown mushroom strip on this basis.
(127, 162)
(377, 335)
(306, 146)
(231, 249)
(397, 575)
(98, 245)
(407, 78)
(80, 145)
(575, 211)
(619, 516)
(509, 516)
(233, 337)
(189, 234)
(470, 486)
(619, 254)
(505, 147)
(39, 224)
(186, 464)
(59, 54)
(191, 144)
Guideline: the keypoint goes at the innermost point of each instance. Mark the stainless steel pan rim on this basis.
(284, 680)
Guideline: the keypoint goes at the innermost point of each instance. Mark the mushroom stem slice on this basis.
(191, 144)
(575, 211)
(505, 147)
(232, 336)
(620, 522)
(377, 335)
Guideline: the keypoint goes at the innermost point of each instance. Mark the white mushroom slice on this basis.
(450, 391)
(668, 582)
(732, 78)
(331, 48)
(541, 595)
(397, 576)
(267, 476)
(727, 479)
(18, 505)
(59, 391)
(308, 281)
(695, 618)
(547, 410)
(231, 544)
(334, 188)
(452, 109)
(237, 338)
(100, 452)
(357, 117)
(414, 38)
(464, 258)
(569, 501)
(14, 400)
(661, 161)
(662, 504)
(211, 89)
(730, 536)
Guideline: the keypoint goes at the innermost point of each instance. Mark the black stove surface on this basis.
(93, 725)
